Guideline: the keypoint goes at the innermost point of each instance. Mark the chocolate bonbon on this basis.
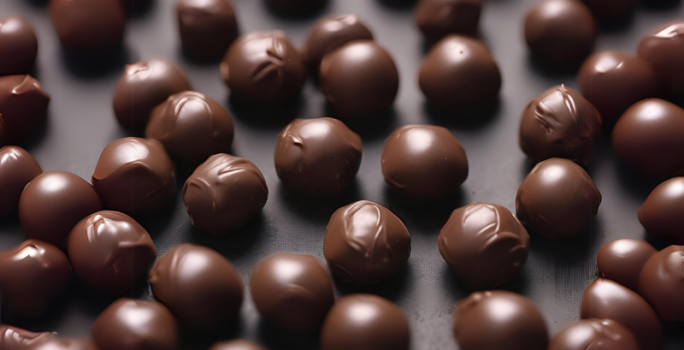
(19, 45)
(439, 18)
(611, 9)
(664, 50)
(17, 169)
(13, 338)
(237, 344)
(661, 213)
(85, 26)
(621, 260)
(207, 28)
(594, 333)
(661, 283)
(329, 34)
(23, 107)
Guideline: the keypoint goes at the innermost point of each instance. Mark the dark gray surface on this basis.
(81, 123)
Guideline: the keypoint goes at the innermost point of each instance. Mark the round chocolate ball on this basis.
(329, 34)
(110, 251)
(424, 162)
(365, 322)
(661, 213)
(561, 123)
(359, 79)
(135, 176)
(53, 203)
(88, 25)
(57, 343)
(199, 285)
(557, 199)
(318, 157)
(621, 261)
(594, 333)
(366, 243)
(665, 52)
(207, 28)
(293, 291)
(237, 344)
(191, 126)
(459, 73)
(481, 324)
(610, 9)
(19, 45)
(661, 283)
(17, 169)
(143, 86)
(14, 338)
(23, 107)
(439, 18)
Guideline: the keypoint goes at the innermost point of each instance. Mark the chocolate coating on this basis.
(31, 276)
(622, 260)
(88, 25)
(612, 81)
(480, 324)
(661, 213)
(135, 176)
(661, 283)
(53, 203)
(648, 137)
(561, 123)
(17, 169)
(359, 79)
(484, 244)
(459, 73)
(424, 162)
(594, 334)
(224, 193)
(366, 243)
(557, 199)
(199, 285)
(318, 157)
(665, 52)
(365, 322)
(329, 34)
(237, 344)
(605, 299)
(13, 338)
(191, 126)
(439, 18)
(19, 45)
(207, 28)
(143, 86)
(610, 9)
(56, 343)
(110, 251)
(23, 107)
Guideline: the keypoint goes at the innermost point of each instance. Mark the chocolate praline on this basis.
(661, 213)
(665, 52)
(237, 344)
(622, 260)
(611, 9)
(23, 107)
(19, 45)
(661, 283)
(439, 18)
(17, 169)
(207, 28)
(13, 338)
(594, 333)
(329, 34)
(57, 343)
(88, 25)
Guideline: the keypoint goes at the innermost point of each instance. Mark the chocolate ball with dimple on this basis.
(23, 107)
(664, 50)
(31, 276)
(135, 176)
(88, 25)
(365, 322)
(481, 324)
(439, 18)
(237, 344)
(329, 34)
(17, 169)
(558, 199)
(459, 73)
(19, 45)
(207, 28)
(661, 213)
(224, 194)
(13, 338)
(359, 79)
(594, 334)
(57, 343)
(610, 9)
(424, 162)
(621, 261)
(199, 285)
(318, 157)
(661, 283)
(53, 203)
(366, 243)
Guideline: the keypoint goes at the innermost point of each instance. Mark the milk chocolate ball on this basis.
(439, 18)
(593, 333)
(19, 45)
(23, 108)
(610, 9)
(621, 261)
(661, 213)
(661, 283)
(207, 28)
(329, 34)
(17, 169)
(88, 25)
(664, 50)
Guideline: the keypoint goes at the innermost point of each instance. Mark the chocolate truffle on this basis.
(135, 324)
(439, 18)
(53, 203)
(237, 344)
(318, 157)
(135, 176)
(594, 334)
(199, 285)
(263, 69)
(23, 107)
(459, 73)
(31, 276)
(661, 213)
(648, 138)
(484, 244)
(480, 322)
(557, 199)
(13, 338)
(605, 299)
(143, 86)
(293, 291)
(359, 79)
(110, 251)
(424, 162)
(611, 9)
(17, 168)
(365, 322)
(622, 260)
(56, 343)
(224, 193)
(207, 28)
(665, 52)
(366, 243)
(612, 81)
(19, 46)
(88, 25)
(661, 283)
(329, 34)
(560, 123)
(191, 126)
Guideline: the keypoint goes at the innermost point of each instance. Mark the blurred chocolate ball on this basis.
(85, 26)
(207, 27)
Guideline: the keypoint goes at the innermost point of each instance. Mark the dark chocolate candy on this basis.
(594, 334)
(439, 18)
(661, 283)
(17, 169)
(13, 338)
(19, 46)
(661, 213)
(611, 9)
(665, 52)
(207, 27)
(329, 34)
(237, 344)
(23, 107)
(622, 260)
(57, 343)
(88, 25)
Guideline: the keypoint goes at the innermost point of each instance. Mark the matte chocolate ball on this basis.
(88, 25)
(661, 213)
(207, 27)
(23, 108)
(237, 344)
(329, 34)
(621, 261)
(17, 169)
(664, 50)
(611, 9)
(594, 333)
(19, 45)
(661, 283)
(439, 18)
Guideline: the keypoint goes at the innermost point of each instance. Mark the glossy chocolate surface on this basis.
(13, 338)
(318, 157)
(661, 283)
(19, 45)
(621, 261)
(23, 108)
(17, 168)
(56, 343)
(439, 18)
(237, 344)
(664, 50)
(611, 9)
(661, 213)
(329, 34)
(207, 28)
(594, 334)
(88, 25)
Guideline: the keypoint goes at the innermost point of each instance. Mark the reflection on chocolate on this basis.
(610, 9)
(661, 283)
(359, 79)
(23, 107)
(17, 168)
(224, 193)
(665, 52)
(561, 123)
(648, 137)
(622, 260)
(19, 46)
(135, 176)
(424, 162)
(365, 322)
(439, 18)
(88, 25)
(56, 343)
(594, 334)
(31, 276)
(53, 203)
(237, 344)
(13, 338)
(480, 322)
(207, 28)
(199, 285)
(557, 199)
(329, 34)
(318, 157)
(110, 251)
(661, 213)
